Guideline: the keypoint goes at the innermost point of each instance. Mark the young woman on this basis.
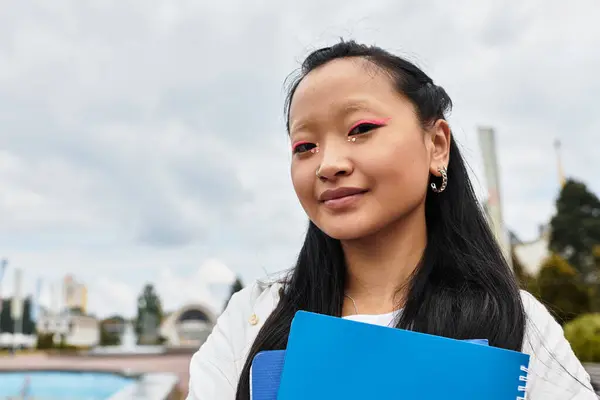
(396, 236)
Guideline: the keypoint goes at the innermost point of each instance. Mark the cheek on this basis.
(303, 183)
(402, 171)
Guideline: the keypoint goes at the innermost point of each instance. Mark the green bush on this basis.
(584, 335)
(559, 286)
(45, 341)
(109, 338)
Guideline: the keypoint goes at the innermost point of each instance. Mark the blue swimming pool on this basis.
(61, 384)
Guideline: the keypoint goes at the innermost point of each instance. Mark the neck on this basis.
(379, 267)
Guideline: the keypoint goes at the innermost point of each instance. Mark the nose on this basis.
(334, 164)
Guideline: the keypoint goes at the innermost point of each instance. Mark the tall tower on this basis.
(487, 143)
(561, 172)
(74, 294)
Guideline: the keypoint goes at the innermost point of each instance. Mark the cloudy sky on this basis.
(143, 141)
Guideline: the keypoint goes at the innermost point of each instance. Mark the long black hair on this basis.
(463, 288)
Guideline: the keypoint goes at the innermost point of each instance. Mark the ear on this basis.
(439, 148)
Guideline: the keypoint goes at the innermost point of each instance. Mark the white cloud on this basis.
(137, 141)
(109, 296)
(202, 286)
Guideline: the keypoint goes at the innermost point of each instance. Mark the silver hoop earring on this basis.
(442, 171)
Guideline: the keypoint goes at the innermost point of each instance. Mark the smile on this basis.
(341, 198)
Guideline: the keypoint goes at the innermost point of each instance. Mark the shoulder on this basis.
(541, 329)
(254, 300)
(245, 314)
(215, 368)
(537, 314)
(553, 365)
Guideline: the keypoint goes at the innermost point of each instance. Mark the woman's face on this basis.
(349, 124)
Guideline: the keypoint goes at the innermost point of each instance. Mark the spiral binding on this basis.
(523, 388)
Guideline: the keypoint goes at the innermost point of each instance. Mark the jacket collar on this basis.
(268, 297)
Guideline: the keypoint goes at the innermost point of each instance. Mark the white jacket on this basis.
(215, 368)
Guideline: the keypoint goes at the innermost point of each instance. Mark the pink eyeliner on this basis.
(380, 122)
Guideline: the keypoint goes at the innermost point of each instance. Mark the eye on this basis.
(302, 147)
(363, 128)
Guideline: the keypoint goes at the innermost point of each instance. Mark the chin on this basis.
(347, 228)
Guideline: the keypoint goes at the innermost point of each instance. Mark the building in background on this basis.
(188, 327)
(493, 204)
(69, 328)
(65, 320)
(74, 294)
(533, 253)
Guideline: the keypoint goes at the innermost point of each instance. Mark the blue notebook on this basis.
(266, 369)
(333, 358)
(265, 374)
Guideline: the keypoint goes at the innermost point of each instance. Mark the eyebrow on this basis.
(341, 110)
(353, 105)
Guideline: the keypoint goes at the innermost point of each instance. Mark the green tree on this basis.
(575, 229)
(596, 256)
(595, 280)
(110, 335)
(8, 324)
(149, 315)
(6, 321)
(561, 289)
(27, 325)
(236, 286)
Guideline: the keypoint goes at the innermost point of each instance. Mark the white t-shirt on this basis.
(379, 319)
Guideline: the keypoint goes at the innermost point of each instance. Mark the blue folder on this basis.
(333, 358)
(265, 374)
(267, 366)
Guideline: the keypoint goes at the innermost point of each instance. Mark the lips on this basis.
(340, 193)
